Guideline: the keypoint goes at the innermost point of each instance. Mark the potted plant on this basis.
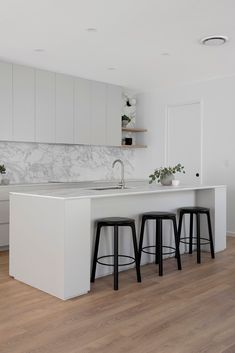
(2, 171)
(125, 120)
(165, 175)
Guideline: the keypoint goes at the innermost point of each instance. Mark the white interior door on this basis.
(184, 140)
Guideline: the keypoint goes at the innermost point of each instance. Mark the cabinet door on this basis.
(64, 108)
(98, 113)
(45, 106)
(113, 115)
(23, 103)
(5, 101)
(82, 117)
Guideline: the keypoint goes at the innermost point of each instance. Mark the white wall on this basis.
(218, 99)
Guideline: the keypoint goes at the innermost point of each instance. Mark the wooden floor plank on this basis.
(189, 311)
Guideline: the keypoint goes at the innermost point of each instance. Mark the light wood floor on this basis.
(192, 311)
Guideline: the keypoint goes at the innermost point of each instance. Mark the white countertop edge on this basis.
(119, 193)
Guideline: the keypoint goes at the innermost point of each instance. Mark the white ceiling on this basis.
(131, 36)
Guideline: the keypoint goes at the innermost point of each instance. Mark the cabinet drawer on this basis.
(4, 212)
(4, 234)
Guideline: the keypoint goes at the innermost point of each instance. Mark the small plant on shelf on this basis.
(125, 120)
(2, 169)
(165, 175)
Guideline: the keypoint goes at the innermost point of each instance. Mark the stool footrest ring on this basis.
(119, 256)
(154, 246)
(205, 241)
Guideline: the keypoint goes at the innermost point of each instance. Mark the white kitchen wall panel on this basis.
(64, 109)
(113, 115)
(5, 101)
(45, 106)
(23, 103)
(82, 111)
(98, 113)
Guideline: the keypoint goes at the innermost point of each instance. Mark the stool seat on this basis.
(160, 215)
(112, 221)
(196, 209)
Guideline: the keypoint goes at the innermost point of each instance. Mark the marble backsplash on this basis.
(37, 163)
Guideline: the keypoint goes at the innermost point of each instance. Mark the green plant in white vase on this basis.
(165, 175)
(125, 120)
(2, 171)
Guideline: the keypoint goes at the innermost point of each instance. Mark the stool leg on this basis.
(137, 264)
(180, 225)
(198, 239)
(177, 252)
(179, 229)
(157, 243)
(159, 228)
(210, 235)
(115, 257)
(141, 238)
(191, 234)
(97, 240)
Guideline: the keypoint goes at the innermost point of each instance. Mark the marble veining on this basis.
(37, 163)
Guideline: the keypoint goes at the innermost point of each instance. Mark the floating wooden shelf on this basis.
(133, 146)
(126, 129)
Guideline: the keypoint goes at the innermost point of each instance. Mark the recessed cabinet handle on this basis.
(197, 175)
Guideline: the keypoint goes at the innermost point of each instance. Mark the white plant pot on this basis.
(167, 180)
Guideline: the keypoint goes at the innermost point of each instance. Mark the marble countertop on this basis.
(133, 188)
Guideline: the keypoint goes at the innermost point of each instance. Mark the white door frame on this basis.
(166, 157)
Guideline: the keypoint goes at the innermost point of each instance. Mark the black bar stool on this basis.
(197, 211)
(159, 217)
(115, 222)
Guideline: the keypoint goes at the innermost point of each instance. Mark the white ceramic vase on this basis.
(167, 180)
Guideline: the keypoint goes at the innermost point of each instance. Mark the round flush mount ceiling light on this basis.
(91, 29)
(214, 41)
(39, 50)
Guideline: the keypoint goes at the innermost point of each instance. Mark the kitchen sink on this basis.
(109, 188)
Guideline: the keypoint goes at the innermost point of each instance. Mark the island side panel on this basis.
(77, 247)
(215, 199)
(37, 242)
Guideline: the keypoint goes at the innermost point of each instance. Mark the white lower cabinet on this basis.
(64, 130)
(4, 223)
(4, 235)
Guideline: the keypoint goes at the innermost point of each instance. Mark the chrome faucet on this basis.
(122, 182)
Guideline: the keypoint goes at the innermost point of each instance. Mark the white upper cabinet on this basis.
(82, 111)
(45, 106)
(113, 115)
(5, 101)
(98, 113)
(64, 109)
(23, 103)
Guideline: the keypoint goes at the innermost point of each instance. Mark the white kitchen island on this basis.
(52, 231)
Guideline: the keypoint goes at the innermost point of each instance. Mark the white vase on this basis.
(167, 180)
